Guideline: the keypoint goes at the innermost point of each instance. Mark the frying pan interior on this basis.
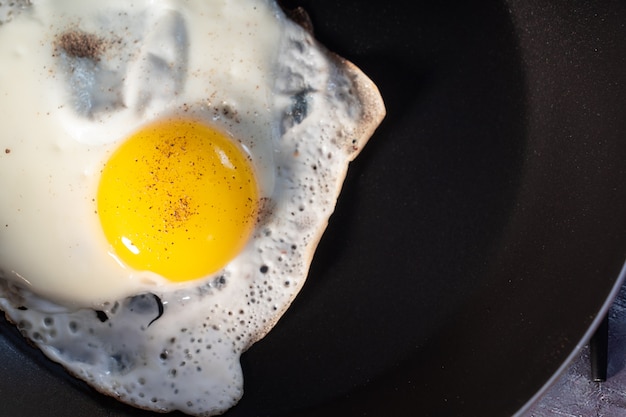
(477, 236)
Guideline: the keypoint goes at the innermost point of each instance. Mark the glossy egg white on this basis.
(240, 65)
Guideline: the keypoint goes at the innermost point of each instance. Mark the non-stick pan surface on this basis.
(477, 236)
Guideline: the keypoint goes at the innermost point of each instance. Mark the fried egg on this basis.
(167, 171)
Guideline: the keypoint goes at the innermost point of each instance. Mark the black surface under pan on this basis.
(477, 238)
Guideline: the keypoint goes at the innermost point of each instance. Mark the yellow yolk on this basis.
(178, 198)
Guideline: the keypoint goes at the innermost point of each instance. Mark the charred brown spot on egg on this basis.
(297, 14)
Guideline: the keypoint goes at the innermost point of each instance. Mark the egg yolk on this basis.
(177, 198)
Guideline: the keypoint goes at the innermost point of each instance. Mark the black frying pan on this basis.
(477, 237)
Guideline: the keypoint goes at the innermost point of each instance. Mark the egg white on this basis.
(302, 113)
